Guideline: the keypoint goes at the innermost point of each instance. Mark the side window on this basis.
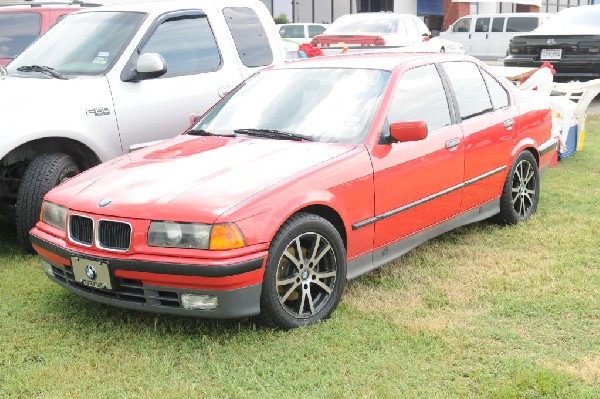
(462, 25)
(498, 93)
(250, 38)
(314, 30)
(291, 31)
(482, 25)
(17, 31)
(469, 88)
(498, 25)
(187, 45)
(432, 108)
(524, 24)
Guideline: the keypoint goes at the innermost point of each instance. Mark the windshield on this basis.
(363, 23)
(86, 43)
(572, 19)
(330, 105)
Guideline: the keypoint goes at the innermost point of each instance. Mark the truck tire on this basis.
(43, 173)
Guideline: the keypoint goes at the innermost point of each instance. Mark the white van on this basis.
(488, 35)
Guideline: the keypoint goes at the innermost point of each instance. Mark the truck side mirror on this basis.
(408, 131)
(147, 66)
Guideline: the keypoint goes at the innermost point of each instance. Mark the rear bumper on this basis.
(148, 294)
(580, 67)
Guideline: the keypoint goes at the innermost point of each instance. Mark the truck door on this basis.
(198, 70)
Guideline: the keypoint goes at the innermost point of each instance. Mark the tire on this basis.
(300, 290)
(43, 173)
(521, 191)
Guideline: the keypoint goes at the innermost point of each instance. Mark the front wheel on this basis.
(521, 191)
(43, 173)
(305, 273)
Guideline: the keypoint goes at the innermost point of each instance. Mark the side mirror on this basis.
(147, 66)
(408, 131)
(150, 65)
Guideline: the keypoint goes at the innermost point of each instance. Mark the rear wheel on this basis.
(305, 274)
(43, 173)
(521, 191)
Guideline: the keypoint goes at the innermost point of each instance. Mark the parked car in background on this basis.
(23, 22)
(570, 41)
(488, 35)
(306, 175)
(106, 80)
(378, 29)
(295, 34)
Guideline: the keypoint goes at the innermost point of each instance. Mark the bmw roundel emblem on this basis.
(104, 202)
(90, 272)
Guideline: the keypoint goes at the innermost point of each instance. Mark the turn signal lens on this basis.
(226, 236)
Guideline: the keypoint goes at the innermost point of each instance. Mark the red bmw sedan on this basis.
(306, 175)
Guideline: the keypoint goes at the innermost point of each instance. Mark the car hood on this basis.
(197, 178)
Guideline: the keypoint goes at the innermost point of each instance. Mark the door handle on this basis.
(509, 123)
(452, 143)
(223, 91)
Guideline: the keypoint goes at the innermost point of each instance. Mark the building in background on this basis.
(437, 14)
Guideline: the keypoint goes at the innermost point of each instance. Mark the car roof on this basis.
(159, 7)
(509, 14)
(387, 61)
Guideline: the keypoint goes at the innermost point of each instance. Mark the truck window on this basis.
(482, 25)
(17, 31)
(498, 25)
(314, 30)
(250, 38)
(524, 24)
(187, 45)
(462, 25)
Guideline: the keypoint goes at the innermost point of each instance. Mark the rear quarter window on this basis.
(249, 36)
(17, 31)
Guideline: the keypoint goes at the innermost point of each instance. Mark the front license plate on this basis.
(92, 273)
(551, 54)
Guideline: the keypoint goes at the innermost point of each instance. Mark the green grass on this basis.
(485, 311)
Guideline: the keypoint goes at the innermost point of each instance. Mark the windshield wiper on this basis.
(201, 132)
(43, 69)
(274, 134)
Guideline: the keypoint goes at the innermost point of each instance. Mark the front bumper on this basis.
(137, 294)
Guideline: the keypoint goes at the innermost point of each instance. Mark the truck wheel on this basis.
(43, 173)
(305, 273)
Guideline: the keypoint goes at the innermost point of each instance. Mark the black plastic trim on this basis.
(157, 267)
(424, 200)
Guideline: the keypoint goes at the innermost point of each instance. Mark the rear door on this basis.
(417, 184)
(497, 45)
(489, 124)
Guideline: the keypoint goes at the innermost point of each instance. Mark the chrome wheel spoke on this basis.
(325, 288)
(287, 294)
(287, 281)
(321, 255)
(311, 304)
(292, 259)
(322, 275)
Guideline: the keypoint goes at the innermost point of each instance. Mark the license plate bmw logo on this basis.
(90, 272)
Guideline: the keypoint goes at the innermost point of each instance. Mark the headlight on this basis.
(195, 235)
(55, 215)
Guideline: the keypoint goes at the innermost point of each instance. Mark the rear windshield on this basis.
(363, 24)
(17, 31)
(573, 19)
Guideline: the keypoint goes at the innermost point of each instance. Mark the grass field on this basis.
(485, 311)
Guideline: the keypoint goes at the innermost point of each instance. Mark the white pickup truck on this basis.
(108, 79)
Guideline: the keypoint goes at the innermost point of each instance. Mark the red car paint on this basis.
(259, 183)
